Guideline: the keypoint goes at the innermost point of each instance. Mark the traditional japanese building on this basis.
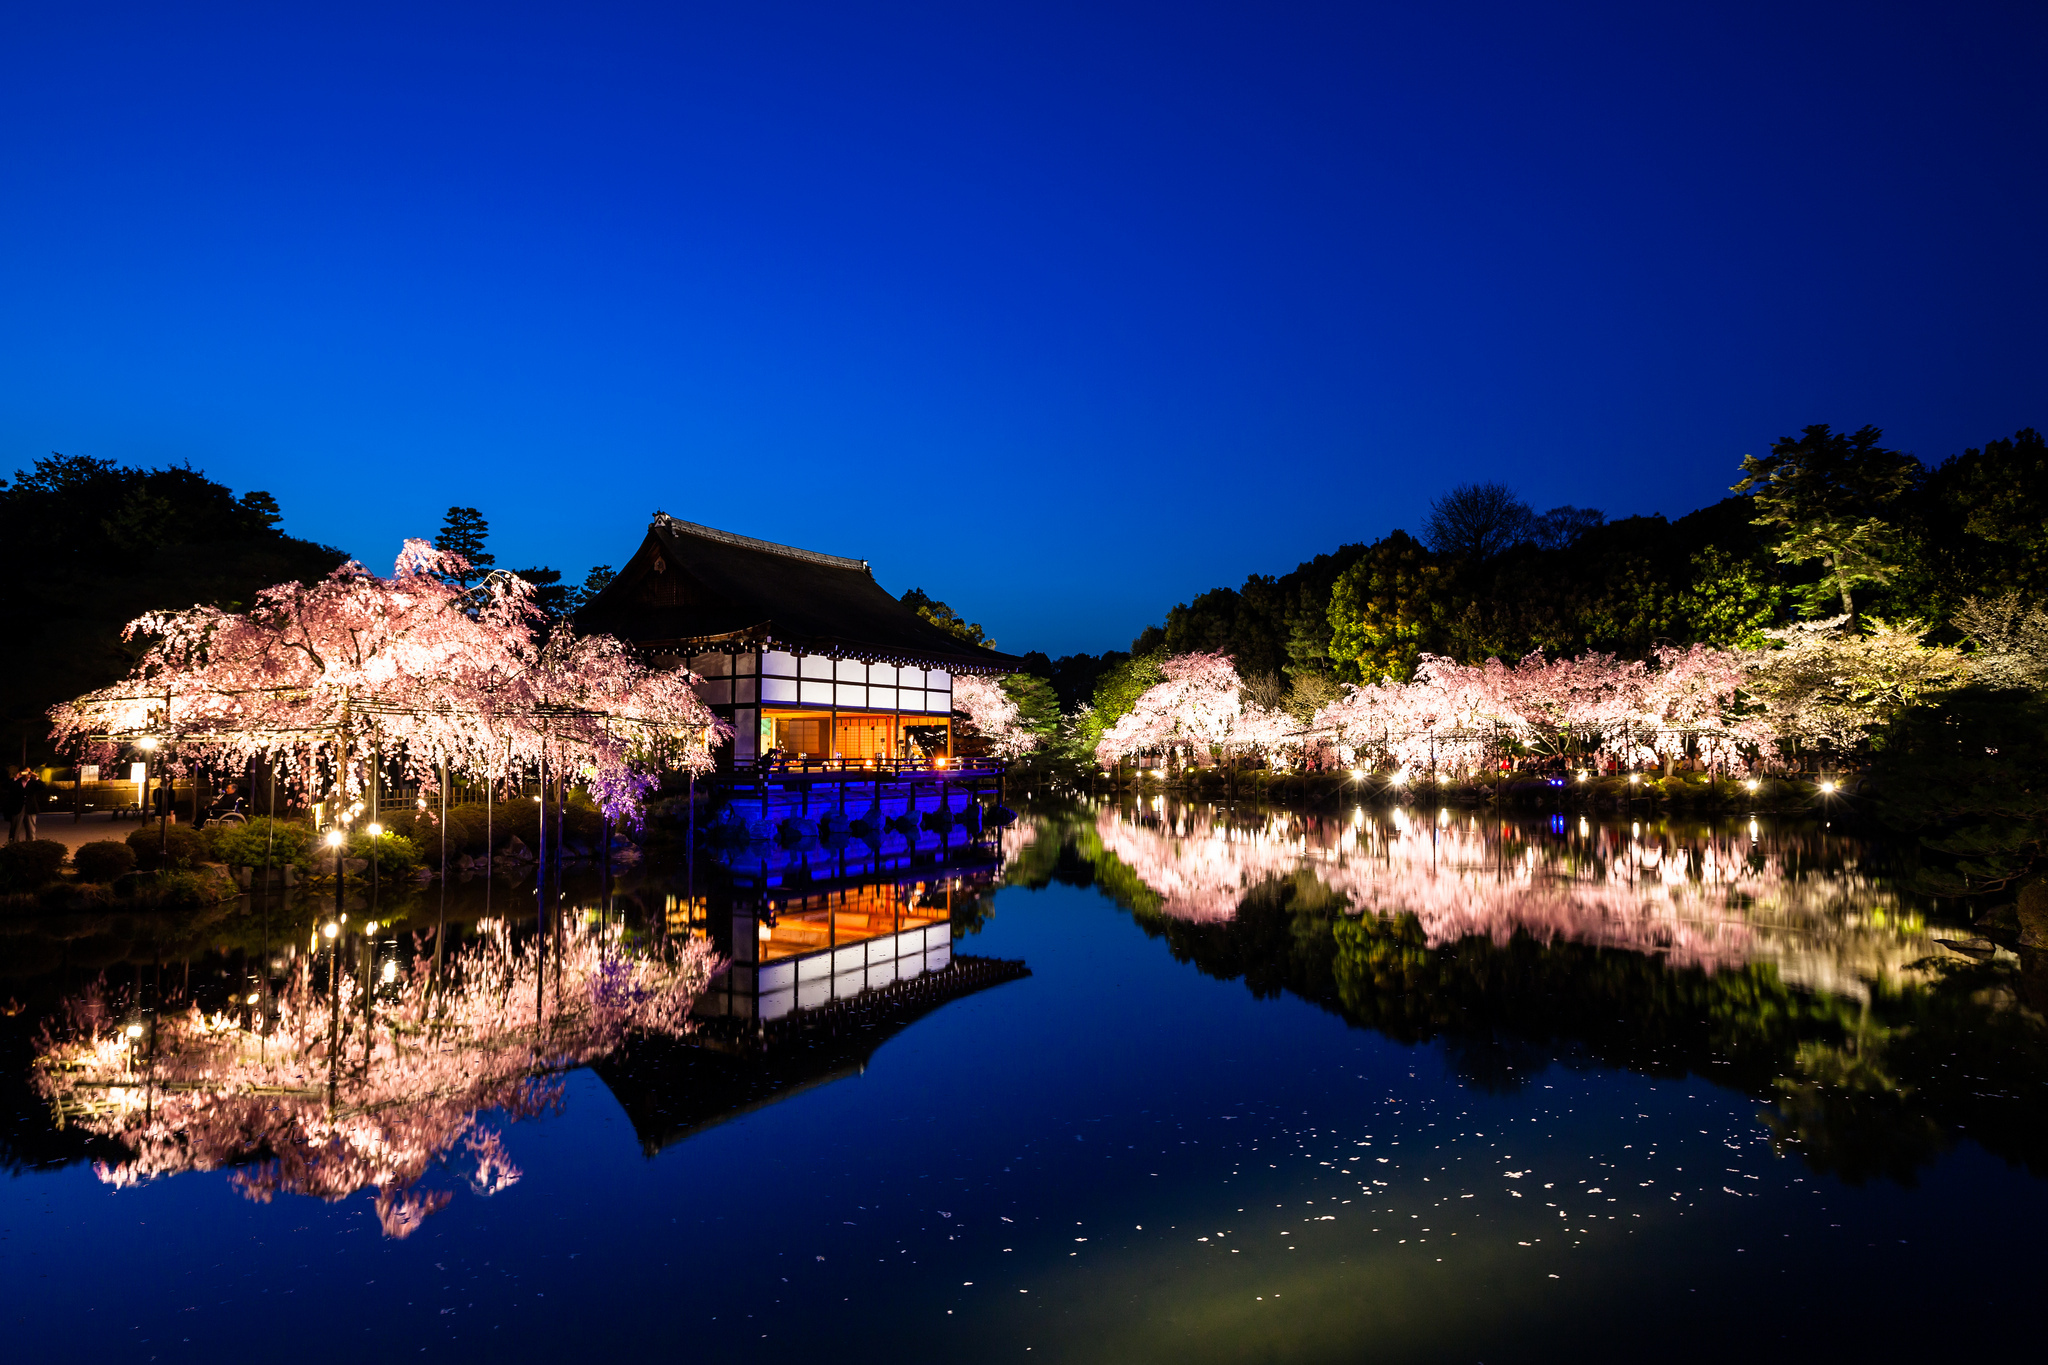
(800, 650)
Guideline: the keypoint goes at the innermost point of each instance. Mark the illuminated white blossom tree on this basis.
(319, 680)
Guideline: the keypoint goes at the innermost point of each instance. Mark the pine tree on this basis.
(465, 532)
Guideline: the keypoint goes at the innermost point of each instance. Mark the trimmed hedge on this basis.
(103, 860)
(186, 846)
(29, 864)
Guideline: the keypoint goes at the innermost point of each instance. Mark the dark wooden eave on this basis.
(691, 589)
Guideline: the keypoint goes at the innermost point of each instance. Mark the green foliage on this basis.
(1038, 706)
(470, 822)
(596, 581)
(945, 618)
(87, 545)
(396, 855)
(28, 864)
(1116, 693)
(282, 841)
(1978, 528)
(1270, 625)
(1386, 610)
(465, 532)
(1969, 776)
(1832, 497)
(103, 860)
(1731, 601)
(175, 846)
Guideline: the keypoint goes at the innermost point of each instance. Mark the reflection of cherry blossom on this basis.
(1710, 901)
(324, 1104)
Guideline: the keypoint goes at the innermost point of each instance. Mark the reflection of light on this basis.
(1752, 829)
(766, 932)
(330, 930)
(252, 997)
(390, 971)
(135, 1030)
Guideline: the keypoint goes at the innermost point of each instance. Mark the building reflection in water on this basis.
(361, 1052)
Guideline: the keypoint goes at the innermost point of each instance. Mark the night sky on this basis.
(1062, 312)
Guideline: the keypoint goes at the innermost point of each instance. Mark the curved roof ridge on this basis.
(749, 543)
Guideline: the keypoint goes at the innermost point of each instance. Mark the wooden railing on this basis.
(864, 769)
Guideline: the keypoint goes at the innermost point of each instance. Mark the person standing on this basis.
(10, 802)
(33, 793)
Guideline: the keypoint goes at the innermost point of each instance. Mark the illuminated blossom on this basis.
(322, 680)
(325, 1094)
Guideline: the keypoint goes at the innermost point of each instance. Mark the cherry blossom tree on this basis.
(325, 680)
(1200, 707)
(1829, 683)
(994, 716)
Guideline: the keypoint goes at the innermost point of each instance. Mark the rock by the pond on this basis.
(515, 848)
(2033, 915)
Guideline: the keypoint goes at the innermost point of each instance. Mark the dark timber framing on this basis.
(778, 633)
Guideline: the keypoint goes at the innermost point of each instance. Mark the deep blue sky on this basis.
(1063, 312)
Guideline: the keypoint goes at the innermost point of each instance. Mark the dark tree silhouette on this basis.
(465, 532)
(1476, 521)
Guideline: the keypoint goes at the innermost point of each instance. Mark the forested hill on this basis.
(1488, 576)
(88, 545)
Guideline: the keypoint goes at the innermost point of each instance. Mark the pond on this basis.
(1117, 1083)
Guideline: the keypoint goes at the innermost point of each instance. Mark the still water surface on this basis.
(1381, 1084)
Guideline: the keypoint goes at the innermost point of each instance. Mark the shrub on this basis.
(397, 856)
(468, 824)
(30, 863)
(186, 845)
(103, 860)
(287, 841)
